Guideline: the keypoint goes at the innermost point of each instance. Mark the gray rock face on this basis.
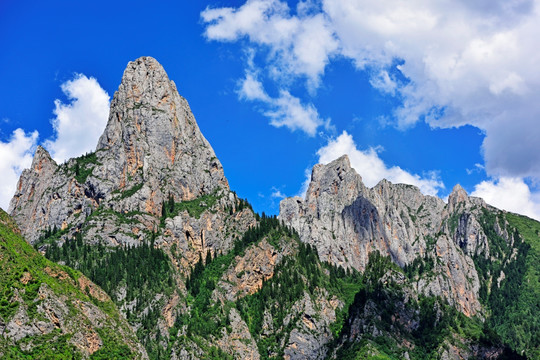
(46, 197)
(153, 138)
(239, 342)
(151, 149)
(347, 221)
(312, 333)
(188, 237)
(150, 155)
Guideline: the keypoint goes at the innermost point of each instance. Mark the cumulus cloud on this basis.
(77, 127)
(459, 62)
(15, 156)
(372, 168)
(511, 194)
(79, 123)
(284, 110)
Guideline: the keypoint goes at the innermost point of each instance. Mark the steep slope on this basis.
(140, 211)
(150, 218)
(347, 221)
(459, 251)
(51, 311)
(150, 150)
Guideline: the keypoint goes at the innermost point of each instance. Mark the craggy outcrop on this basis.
(151, 150)
(199, 275)
(347, 221)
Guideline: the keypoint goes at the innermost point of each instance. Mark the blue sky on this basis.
(426, 93)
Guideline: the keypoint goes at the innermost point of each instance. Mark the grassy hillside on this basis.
(51, 311)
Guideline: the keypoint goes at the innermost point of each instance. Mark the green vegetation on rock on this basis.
(30, 285)
(84, 166)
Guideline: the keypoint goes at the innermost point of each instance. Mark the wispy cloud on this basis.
(277, 194)
(298, 45)
(285, 110)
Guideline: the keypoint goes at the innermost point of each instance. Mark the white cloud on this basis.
(476, 169)
(252, 89)
(372, 168)
(284, 110)
(277, 194)
(15, 156)
(79, 123)
(77, 127)
(383, 82)
(463, 62)
(300, 45)
(511, 194)
(305, 185)
(290, 112)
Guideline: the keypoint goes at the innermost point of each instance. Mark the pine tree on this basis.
(208, 257)
(171, 203)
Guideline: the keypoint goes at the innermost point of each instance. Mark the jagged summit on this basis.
(151, 130)
(145, 85)
(42, 158)
(347, 221)
(328, 179)
(151, 150)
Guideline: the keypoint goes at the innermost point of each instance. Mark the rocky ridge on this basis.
(199, 275)
(347, 221)
(151, 149)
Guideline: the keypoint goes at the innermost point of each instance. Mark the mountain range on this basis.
(141, 250)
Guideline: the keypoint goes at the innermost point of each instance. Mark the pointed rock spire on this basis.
(457, 196)
(42, 159)
(330, 178)
(152, 138)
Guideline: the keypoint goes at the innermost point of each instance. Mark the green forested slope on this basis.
(49, 311)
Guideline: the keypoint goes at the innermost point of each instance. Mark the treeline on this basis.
(381, 302)
(196, 207)
(419, 266)
(266, 226)
(514, 301)
(142, 271)
(239, 205)
(84, 166)
(207, 319)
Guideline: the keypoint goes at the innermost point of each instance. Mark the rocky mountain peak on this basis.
(152, 137)
(339, 167)
(457, 196)
(346, 221)
(146, 102)
(42, 159)
(337, 180)
(43, 166)
(151, 150)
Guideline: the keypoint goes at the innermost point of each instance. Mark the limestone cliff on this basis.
(151, 150)
(149, 217)
(347, 221)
